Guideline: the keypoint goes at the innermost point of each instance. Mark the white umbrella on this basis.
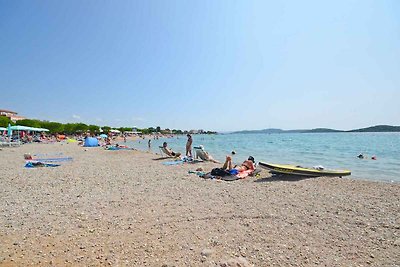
(21, 128)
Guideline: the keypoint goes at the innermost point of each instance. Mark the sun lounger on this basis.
(6, 144)
(167, 153)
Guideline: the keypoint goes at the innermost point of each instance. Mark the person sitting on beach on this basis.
(169, 151)
(204, 155)
(108, 141)
(247, 165)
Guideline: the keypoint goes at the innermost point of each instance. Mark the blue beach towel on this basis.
(54, 159)
(118, 148)
(31, 164)
(173, 162)
(48, 154)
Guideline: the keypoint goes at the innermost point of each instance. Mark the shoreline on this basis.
(125, 208)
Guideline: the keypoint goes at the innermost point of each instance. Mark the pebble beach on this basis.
(125, 208)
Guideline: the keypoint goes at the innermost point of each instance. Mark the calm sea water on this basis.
(331, 150)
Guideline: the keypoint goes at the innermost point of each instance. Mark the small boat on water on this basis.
(303, 171)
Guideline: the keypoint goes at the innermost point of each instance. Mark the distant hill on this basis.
(274, 131)
(323, 130)
(377, 128)
(266, 131)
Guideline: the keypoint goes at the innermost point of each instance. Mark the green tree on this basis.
(81, 127)
(94, 129)
(106, 129)
(53, 127)
(30, 123)
(69, 128)
(4, 121)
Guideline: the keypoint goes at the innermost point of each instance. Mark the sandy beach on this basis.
(125, 208)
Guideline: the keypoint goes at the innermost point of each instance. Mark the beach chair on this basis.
(12, 144)
(167, 154)
(5, 143)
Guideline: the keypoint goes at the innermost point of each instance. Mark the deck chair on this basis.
(164, 151)
(4, 143)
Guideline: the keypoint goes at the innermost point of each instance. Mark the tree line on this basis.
(73, 128)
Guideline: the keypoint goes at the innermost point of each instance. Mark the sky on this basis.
(213, 65)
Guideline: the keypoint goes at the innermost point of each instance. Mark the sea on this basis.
(331, 150)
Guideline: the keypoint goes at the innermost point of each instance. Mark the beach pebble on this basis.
(207, 252)
(236, 262)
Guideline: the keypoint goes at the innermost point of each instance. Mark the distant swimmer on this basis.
(361, 156)
(373, 157)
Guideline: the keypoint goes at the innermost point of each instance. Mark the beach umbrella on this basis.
(3, 129)
(9, 131)
(103, 136)
(38, 129)
(20, 128)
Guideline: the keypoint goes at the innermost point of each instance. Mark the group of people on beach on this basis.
(247, 166)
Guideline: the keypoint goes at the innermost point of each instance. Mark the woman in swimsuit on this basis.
(246, 165)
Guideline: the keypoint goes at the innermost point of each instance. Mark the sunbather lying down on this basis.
(204, 155)
(247, 165)
(169, 151)
(231, 173)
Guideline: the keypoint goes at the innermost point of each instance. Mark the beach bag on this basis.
(219, 172)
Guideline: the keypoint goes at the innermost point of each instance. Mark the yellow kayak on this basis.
(304, 171)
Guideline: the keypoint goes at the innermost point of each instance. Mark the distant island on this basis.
(377, 128)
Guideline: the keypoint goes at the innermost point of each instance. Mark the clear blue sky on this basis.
(219, 65)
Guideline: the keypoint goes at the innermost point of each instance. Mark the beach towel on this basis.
(175, 162)
(52, 159)
(47, 154)
(190, 160)
(198, 173)
(37, 164)
(118, 148)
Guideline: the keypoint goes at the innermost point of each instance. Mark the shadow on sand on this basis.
(283, 177)
(163, 158)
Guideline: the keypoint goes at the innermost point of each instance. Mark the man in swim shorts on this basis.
(169, 151)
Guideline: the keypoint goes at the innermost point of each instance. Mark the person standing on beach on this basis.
(149, 143)
(189, 146)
